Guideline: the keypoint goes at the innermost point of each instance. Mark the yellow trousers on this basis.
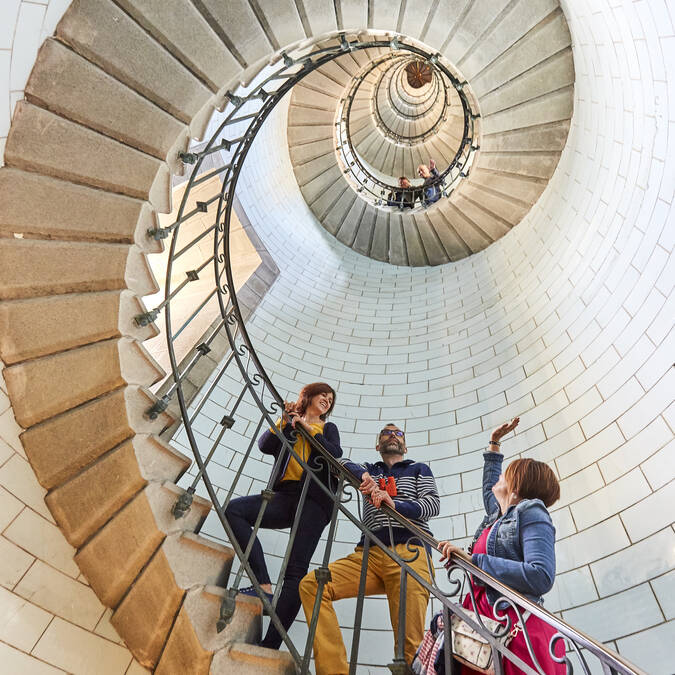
(384, 576)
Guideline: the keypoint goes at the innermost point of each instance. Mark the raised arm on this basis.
(536, 573)
(492, 464)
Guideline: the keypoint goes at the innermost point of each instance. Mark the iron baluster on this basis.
(358, 614)
(237, 476)
(188, 321)
(291, 539)
(322, 576)
(399, 666)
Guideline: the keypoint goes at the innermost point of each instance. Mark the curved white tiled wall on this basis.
(567, 321)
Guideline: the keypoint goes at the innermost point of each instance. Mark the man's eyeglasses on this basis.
(392, 432)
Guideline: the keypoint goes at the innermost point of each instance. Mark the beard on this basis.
(391, 447)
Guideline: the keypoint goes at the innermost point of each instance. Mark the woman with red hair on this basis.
(315, 403)
(515, 543)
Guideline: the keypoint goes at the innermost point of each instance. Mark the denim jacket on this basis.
(521, 544)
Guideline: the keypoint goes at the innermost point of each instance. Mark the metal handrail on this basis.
(257, 386)
(363, 177)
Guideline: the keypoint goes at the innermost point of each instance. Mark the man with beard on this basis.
(410, 488)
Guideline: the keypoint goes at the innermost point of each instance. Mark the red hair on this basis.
(308, 392)
(531, 479)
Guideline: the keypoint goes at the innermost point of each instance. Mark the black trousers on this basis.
(280, 513)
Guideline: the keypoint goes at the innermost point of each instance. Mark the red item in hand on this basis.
(388, 485)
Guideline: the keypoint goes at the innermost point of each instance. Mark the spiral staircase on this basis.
(110, 108)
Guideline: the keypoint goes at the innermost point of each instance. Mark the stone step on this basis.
(307, 152)
(146, 614)
(236, 24)
(40, 206)
(33, 268)
(525, 189)
(83, 93)
(62, 446)
(89, 499)
(474, 238)
(453, 244)
(194, 640)
(245, 659)
(545, 39)
(509, 209)
(113, 557)
(315, 189)
(44, 387)
(314, 168)
(552, 136)
(181, 29)
(335, 216)
(435, 253)
(127, 52)
(540, 165)
(44, 142)
(546, 77)
(40, 326)
(490, 223)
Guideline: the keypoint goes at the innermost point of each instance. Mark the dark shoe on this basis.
(250, 590)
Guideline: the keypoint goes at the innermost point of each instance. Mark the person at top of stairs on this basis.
(409, 488)
(315, 403)
(432, 190)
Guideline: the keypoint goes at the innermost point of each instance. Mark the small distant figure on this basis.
(403, 198)
(432, 193)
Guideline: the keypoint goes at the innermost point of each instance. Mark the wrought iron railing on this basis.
(243, 363)
(368, 182)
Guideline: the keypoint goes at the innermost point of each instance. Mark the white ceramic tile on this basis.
(43, 540)
(15, 661)
(591, 544)
(631, 453)
(607, 619)
(9, 13)
(593, 449)
(21, 623)
(26, 43)
(14, 562)
(612, 498)
(78, 651)
(652, 648)
(659, 467)
(61, 595)
(570, 590)
(664, 590)
(616, 572)
(651, 514)
(18, 478)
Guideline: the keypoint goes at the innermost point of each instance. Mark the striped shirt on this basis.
(416, 497)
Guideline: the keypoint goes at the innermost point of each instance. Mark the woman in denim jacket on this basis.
(515, 543)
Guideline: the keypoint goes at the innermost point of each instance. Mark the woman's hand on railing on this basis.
(447, 549)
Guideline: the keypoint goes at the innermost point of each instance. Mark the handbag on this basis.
(471, 648)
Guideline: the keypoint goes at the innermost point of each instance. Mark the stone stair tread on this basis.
(252, 660)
